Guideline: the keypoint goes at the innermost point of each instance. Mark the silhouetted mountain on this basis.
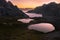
(51, 12)
(8, 10)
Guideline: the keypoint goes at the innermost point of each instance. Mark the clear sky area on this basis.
(31, 3)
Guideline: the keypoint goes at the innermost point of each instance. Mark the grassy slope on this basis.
(17, 33)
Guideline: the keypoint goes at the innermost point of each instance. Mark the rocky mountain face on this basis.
(10, 11)
(51, 9)
(51, 12)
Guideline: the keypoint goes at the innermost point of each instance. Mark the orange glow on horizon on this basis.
(31, 3)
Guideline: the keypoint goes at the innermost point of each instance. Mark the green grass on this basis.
(17, 33)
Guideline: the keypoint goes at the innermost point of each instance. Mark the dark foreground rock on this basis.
(52, 36)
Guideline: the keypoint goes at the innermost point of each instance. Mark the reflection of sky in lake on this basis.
(25, 20)
(34, 15)
(30, 15)
(42, 27)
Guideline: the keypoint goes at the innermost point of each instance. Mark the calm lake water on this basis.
(30, 15)
(43, 27)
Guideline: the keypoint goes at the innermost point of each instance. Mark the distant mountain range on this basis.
(26, 8)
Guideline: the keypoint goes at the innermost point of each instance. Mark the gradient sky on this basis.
(31, 3)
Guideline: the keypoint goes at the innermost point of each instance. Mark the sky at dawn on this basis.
(31, 3)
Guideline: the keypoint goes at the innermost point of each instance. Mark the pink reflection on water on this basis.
(34, 15)
(25, 20)
(42, 27)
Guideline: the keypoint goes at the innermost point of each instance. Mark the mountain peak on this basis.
(8, 10)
